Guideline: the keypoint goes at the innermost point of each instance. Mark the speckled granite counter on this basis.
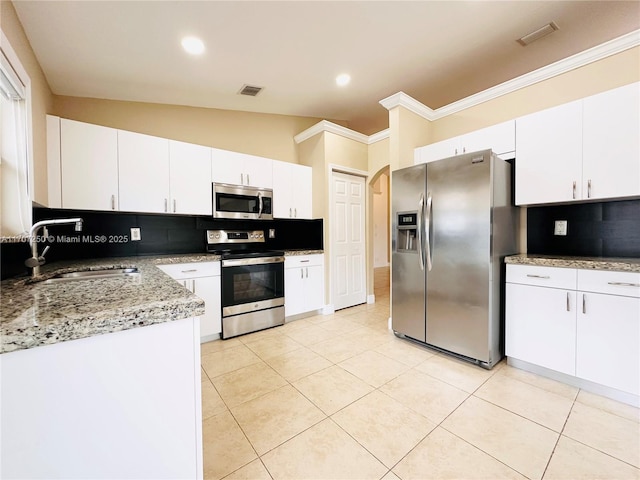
(590, 263)
(35, 313)
(291, 253)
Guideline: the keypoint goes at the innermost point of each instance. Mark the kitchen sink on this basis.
(91, 274)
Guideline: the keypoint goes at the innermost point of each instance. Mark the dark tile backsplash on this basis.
(107, 234)
(605, 229)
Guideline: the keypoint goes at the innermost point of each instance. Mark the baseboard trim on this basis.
(371, 298)
(328, 309)
(612, 393)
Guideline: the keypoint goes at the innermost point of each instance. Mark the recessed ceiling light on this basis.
(343, 79)
(193, 45)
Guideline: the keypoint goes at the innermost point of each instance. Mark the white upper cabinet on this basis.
(190, 178)
(241, 169)
(549, 155)
(89, 164)
(611, 151)
(583, 150)
(500, 138)
(143, 163)
(54, 166)
(292, 190)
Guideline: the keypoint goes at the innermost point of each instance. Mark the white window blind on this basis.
(15, 198)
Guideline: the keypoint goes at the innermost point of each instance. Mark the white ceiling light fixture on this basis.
(548, 29)
(193, 45)
(343, 79)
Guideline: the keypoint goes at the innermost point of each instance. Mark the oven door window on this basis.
(252, 283)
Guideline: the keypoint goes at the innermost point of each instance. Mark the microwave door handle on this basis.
(259, 204)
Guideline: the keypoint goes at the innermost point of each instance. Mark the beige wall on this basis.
(611, 72)
(260, 134)
(41, 97)
(321, 152)
(378, 156)
(407, 131)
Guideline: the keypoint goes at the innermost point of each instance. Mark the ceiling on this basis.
(435, 51)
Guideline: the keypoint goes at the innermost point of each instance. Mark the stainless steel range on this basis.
(252, 279)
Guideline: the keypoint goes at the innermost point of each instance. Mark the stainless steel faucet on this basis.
(37, 260)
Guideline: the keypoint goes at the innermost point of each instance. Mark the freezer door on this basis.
(407, 276)
(459, 226)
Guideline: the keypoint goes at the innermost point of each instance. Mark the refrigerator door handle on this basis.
(419, 231)
(428, 231)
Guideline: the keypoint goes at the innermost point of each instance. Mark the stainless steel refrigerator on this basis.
(453, 223)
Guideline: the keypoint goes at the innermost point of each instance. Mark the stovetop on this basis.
(245, 253)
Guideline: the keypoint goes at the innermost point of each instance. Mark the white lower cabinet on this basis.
(583, 323)
(202, 279)
(303, 284)
(542, 326)
(118, 405)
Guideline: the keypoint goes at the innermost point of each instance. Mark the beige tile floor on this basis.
(340, 397)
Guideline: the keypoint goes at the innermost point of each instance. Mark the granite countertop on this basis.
(34, 314)
(292, 253)
(588, 263)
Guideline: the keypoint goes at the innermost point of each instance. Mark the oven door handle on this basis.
(242, 262)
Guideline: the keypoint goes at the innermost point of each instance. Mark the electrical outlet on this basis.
(135, 234)
(560, 228)
(272, 233)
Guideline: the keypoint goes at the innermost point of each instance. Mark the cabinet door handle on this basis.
(242, 179)
(307, 272)
(189, 271)
(625, 284)
(301, 273)
(113, 202)
(589, 189)
(584, 303)
(574, 190)
(295, 212)
(193, 284)
(568, 305)
(464, 149)
(290, 213)
(545, 277)
(248, 181)
(304, 261)
(174, 205)
(456, 151)
(166, 206)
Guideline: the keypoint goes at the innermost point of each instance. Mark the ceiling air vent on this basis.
(250, 90)
(538, 34)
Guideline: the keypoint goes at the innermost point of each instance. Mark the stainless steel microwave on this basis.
(237, 201)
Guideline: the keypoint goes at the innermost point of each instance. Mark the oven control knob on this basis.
(217, 235)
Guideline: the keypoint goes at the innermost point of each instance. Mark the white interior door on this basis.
(348, 268)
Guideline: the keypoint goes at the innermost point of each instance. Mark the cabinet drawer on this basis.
(179, 271)
(615, 283)
(303, 260)
(542, 276)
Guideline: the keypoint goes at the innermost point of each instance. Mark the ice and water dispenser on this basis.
(407, 230)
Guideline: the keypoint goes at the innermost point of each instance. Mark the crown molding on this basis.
(578, 60)
(381, 135)
(327, 126)
(401, 99)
